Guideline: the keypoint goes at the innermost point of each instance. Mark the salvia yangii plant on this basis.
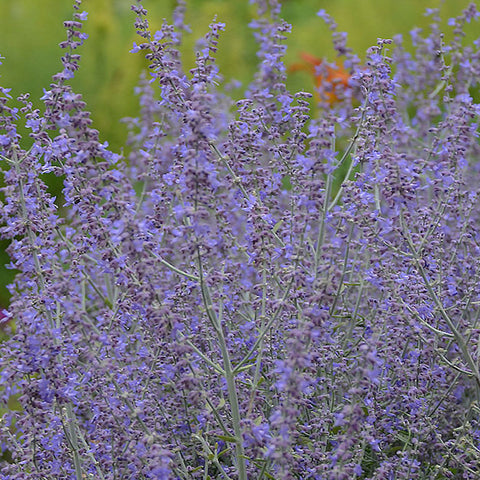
(255, 290)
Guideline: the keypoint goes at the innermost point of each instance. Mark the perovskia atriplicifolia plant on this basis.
(254, 291)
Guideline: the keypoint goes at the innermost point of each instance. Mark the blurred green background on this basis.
(30, 31)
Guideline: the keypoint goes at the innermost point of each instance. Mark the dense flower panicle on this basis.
(255, 291)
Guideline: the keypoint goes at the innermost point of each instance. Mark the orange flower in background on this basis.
(329, 80)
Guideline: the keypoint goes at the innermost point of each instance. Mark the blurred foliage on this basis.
(30, 31)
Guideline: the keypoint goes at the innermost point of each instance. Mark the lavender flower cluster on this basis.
(222, 302)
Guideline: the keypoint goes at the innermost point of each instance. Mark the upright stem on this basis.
(229, 373)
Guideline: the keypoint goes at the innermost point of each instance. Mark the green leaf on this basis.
(227, 438)
(277, 226)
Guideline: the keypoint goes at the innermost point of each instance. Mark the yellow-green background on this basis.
(30, 31)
